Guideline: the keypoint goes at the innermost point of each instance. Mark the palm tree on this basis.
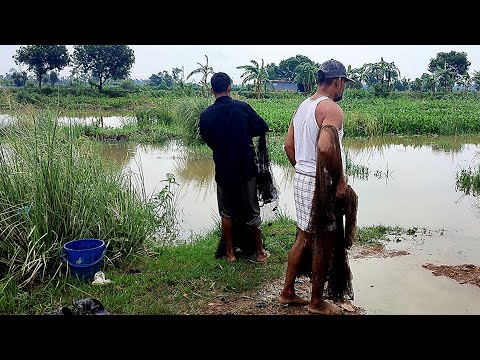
(205, 70)
(258, 74)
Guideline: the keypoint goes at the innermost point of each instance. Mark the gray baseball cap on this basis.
(333, 69)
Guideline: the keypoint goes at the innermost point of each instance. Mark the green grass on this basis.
(174, 279)
(171, 280)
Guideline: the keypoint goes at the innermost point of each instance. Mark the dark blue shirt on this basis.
(228, 127)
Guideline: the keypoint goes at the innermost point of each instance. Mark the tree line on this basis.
(96, 64)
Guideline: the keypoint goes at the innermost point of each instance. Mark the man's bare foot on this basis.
(231, 258)
(292, 300)
(326, 308)
(263, 256)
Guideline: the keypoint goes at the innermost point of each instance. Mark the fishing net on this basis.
(327, 208)
(267, 189)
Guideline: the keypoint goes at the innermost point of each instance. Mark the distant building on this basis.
(462, 88)
(283, 85)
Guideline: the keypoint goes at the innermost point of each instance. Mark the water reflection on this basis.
(437, 143)
(120, 153)
(99, 120)
(410, 182)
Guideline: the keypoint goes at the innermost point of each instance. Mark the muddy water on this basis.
(409, 182)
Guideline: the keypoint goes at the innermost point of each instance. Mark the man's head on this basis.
(333, 72)
(221, 83)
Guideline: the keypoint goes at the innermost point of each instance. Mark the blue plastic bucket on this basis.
(84, 256)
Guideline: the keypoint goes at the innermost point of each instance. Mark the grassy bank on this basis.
(173, 280)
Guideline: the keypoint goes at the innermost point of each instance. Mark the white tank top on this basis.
(305, 137)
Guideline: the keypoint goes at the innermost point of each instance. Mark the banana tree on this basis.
(447, 76)
(258, 74)
(306, 75)
(355, 75)
(465, 81)
(384, 73)
(205, 70)
(476, 80)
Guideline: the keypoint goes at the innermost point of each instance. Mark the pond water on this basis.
(408, 182)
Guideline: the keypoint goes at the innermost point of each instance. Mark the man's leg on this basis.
(288, 296)
(227, 232)
(322, 256)
(262, 254)
(250, 211)
(226, 210)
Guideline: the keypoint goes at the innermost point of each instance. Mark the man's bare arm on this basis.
(290, 145)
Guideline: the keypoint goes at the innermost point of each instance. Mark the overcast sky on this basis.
(411, 60)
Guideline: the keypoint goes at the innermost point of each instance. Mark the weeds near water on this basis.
(165, 205)
(55, 188)
(468, 181)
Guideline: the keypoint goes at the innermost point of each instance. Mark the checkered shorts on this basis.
(303, 189)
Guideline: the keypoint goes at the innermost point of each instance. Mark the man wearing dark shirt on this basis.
(228, 127)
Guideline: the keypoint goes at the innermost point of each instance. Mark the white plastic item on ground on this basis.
(99, 278)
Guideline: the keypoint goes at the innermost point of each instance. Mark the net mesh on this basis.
(327, 208)
(267, 189)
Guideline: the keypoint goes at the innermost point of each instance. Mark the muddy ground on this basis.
(265, 300)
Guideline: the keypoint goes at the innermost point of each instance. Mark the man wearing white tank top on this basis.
(301, 145)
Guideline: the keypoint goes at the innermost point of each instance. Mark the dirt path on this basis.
(265, 302)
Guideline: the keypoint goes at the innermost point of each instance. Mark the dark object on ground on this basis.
(64, 310)
(90, 306)
(244, 244)
(87, 306)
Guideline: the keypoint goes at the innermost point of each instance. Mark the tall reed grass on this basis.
(186, 112)
(54, 188)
